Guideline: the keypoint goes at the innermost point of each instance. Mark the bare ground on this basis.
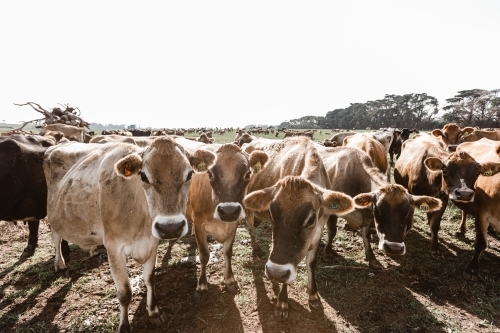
(415, 294)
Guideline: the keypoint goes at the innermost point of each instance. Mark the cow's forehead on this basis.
(392, 194)
(451, 130)
(461, 158)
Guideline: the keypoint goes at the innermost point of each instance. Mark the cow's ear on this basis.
(257, 160)
(363, 200)
(425, 203)
(337, 203)
(129, 166)
(201, 160)
(259, 200)
(467, 130)
(211, 139)
(490, 168)
(437, 133)
(434, 164)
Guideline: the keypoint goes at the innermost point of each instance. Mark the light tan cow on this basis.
(72, 133)
(293, 192)
(124, 197)
(141, 141)
(451, 135)
(373, 148)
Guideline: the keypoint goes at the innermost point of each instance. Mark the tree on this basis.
(475, 107)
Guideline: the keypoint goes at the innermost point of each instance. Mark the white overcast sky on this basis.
(234, 63)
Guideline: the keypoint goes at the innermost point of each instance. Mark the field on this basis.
(415, 293)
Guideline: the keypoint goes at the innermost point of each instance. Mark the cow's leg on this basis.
(65, 250)
(251, 228)
(462, 229)
(201, 292)
(480, 244)
(118, 267)
(231, 283)
(281, 308)
(312, 289)
(391, 158)
(331, 228)
(369, 255)
(59, 263)
(156, 315)
(434, 219)
(32, 239)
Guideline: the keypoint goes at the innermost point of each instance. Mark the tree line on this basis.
(475, 107)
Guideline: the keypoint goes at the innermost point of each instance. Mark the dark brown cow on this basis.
(215, 205)
(400, 136)
(388, 206)
(424, 168)
(23, 190)
(451, 135)
(485, 207)
(293, 192)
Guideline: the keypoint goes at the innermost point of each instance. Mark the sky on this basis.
(235, 63)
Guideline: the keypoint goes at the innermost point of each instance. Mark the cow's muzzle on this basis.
(169, 227)
(393, 247)
(280, 273)
(451, 148)
(229, 212)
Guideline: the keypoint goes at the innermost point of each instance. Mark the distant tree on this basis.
(475, 107)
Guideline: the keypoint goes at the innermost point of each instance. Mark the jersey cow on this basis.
(293, 192)
(451, 135)
(72, 133)
(124, 197)
(215, 204)
(373, 148)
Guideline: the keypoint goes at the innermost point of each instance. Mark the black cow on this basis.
(23, 190)
(400, 136)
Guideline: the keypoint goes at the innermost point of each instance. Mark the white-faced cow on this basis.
(23, 190)
(293, 192)
(124, 197)
(215, 204)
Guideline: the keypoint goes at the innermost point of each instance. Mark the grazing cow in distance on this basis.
(215, 205)
(425, 168)
(293, 192)
(23, 190)
(124, 197)
(485, 206)
(451, 135)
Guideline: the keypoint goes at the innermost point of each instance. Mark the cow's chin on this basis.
(452, 197)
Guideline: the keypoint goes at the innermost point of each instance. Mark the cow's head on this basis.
(393, 209)
(460, 172)
(451, 135)
(165, 170)
(229, 177)
(298, 210)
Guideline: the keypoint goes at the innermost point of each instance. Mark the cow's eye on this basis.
(144, 178)
(189, 175)
(310, 221)
(210, 175)
(248, 174)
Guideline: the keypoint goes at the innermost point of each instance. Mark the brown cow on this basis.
(72, 133)
(478, 135)
(293, 192)
(124, 197)
(485, 206)
(373, 148)
(451, 135)
(424, 168)
(215, 205)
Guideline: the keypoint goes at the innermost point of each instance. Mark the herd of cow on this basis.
(127, 193)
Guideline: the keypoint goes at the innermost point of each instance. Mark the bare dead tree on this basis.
(69, 115)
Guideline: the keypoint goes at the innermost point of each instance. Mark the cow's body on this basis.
(141, 141)
(23, 190)
(373, 148)
(292, 192)
(215, 204)
(72, 133)
(124, 197)
(400, 136)
(420, 169)
(478, 135)
(388, 206)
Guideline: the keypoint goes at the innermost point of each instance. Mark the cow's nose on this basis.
(276, 273)
(452, 147)
(464, 194)
(229, 213)
(171, 229)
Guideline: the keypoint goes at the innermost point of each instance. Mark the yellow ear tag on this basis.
(465, 134)
(202, 167)
(488, 173)
(424, 207)
(257, 167)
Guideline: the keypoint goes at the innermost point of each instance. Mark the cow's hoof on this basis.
(471, 276)
(124, 328)
(316, 305)
(200, 296)
(233, 288)
(281, 311)
(375, 264)
(27, 252)
(66, 272)
(437, 255)
(159, 319)
(329, 255)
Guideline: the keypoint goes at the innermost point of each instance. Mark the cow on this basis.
(72, 133)
(139, 141)
(23, 190)
(484, 207)
(478, 135)
(451, 135)
(425, 168)
(400, 136)
(201, 138)
(373, 148)
(293, 192)
(215, 205)
(124, 197)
